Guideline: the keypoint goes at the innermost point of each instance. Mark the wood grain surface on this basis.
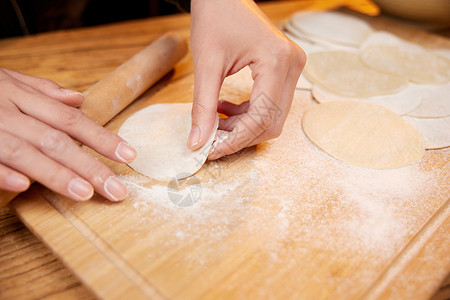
(30, 270)
(113, 93)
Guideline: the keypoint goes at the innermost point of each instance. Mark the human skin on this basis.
(226, 36)
(39, 120)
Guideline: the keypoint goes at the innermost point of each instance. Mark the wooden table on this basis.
(28, 270)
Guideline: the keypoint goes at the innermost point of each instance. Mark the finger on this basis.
(21, 156)
(277, 125)
(61, 148)
(229, 123)
(207, 82)
(231, 109)
(225, 147)
(75, 123)
(263, 109)
(49, 88)
(246, 130)
(13, 181)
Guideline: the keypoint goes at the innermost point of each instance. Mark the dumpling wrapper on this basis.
(363, 134)
(308, 48)
(443, 52)
(418, 66)
(435, 131)
(329, 45)
(333, 26)
(402, 102)
(435, 102)
(159, 134)
(387, 53)
(387, 39)
(343, 73)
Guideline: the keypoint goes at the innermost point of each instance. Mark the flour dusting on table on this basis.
(282, 207)
(288, 197)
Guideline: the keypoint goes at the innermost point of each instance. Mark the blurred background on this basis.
(25, 17)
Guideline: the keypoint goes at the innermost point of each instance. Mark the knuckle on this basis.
(9, 84)
(58, 177)
(70, 116)
(12, 148)
(301, 56)
(198, 108)
(283, 53)
(97, 173)
(264, 120)
(54, 141)
(273, 132)
(44, 83)
(105, 137)
(299, 59)
(200, 111)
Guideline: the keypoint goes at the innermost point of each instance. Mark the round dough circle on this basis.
(159, 134)
(435, 102)
(363, 134)
(435, 131)
(413, 63)
(401, 103)
(343, 73)
(332, 26)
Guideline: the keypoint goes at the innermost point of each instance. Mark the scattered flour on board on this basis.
(290, 199)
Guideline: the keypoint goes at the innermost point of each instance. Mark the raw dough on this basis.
(159, 134)
(303, 83)
(363, 134)
(443, 52)
(238, 87)
(329, 45)
(419, 66)
(332, 26)
(387, 53)
(387, 39)
(344, 74)
(308, 48)
(435, 102)
(401, 103)
(435, 131)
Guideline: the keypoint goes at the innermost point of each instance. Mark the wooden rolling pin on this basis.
(118, 89)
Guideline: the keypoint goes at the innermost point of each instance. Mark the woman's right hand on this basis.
(38, 120)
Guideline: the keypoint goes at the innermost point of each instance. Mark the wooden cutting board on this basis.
(280, 220)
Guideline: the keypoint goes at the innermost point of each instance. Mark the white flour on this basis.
(294, 205)
(304, 195)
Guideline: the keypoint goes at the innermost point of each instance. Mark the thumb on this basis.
(207, 83)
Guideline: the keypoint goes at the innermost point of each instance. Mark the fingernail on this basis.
(194, 137)
(71, 92)
(125, 153)
(115, 189)
(17, 182)
(80, 189)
